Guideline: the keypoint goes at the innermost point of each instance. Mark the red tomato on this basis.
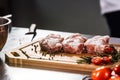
(106, 60)
(116, 69)
(96, 60)
(108, 49)
(101, 73)
(115, 77)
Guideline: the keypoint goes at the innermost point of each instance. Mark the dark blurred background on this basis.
(81, 16)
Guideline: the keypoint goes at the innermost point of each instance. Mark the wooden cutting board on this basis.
(30, 55)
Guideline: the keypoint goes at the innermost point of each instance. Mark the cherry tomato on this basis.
(101, 73)
(96, 60)
(116, 69)
(115, 77)
(106, 60)
(108, 49)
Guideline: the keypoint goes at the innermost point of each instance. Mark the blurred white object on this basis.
(29, 36)
(25, 39)
(109, 6)
(7, 16)
(32, 30)
(32, 27)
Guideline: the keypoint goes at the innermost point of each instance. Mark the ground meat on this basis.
(74, 43)
(96, 44)
(52, 43)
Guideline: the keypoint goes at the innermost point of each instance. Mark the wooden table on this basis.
(16, 38)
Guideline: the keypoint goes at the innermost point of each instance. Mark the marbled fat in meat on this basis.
(96, 44)
(74, 43)
(52, 43)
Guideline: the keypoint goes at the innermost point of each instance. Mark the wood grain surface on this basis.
(30, 55)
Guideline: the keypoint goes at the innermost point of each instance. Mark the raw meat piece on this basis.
(52, 43)
(96, 44)
(74, 43)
